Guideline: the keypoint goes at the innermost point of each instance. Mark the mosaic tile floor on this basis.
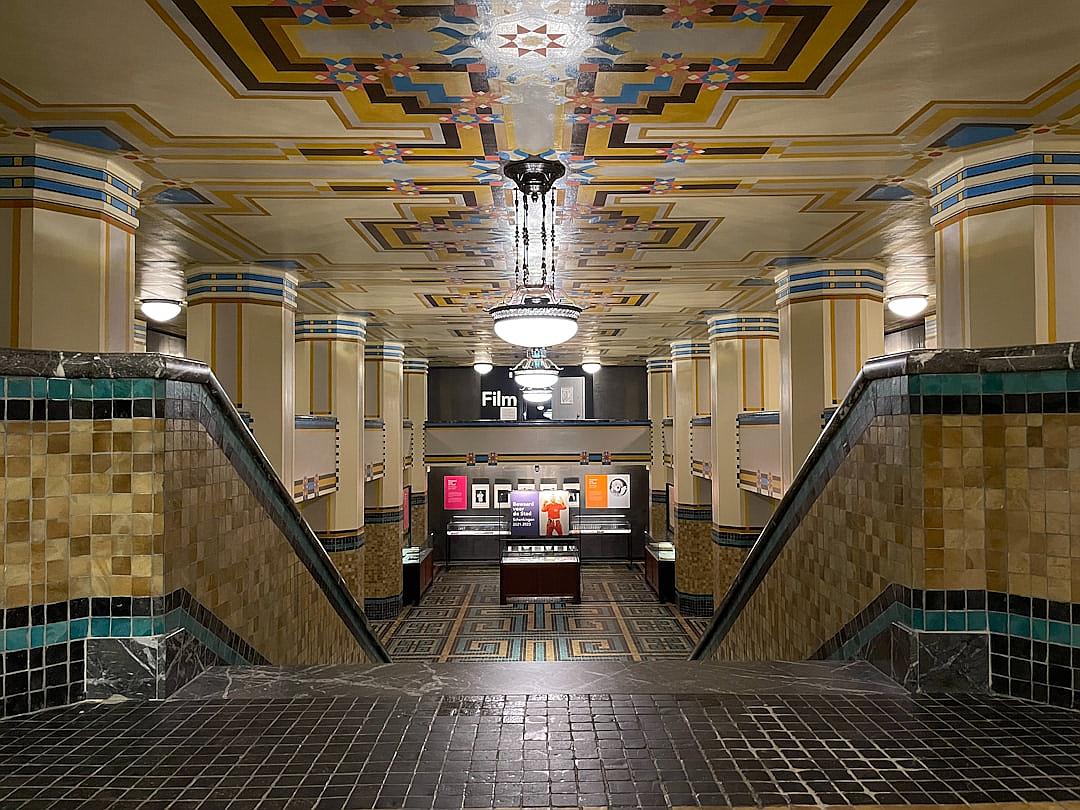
(619, 619)
(541, 751)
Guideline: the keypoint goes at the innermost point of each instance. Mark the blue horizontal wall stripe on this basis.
(855, 271)
(59, 187)
(64, 167)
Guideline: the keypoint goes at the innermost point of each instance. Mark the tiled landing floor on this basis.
(595, 750)
(619, 619)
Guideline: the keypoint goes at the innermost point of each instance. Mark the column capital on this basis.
(330, 326)
(415, 365)
(1036, 170)
(240, 284)
(387, 351)
(830, 280)
(658, 365)
(689, 350)
(44, 174)
(744, 325)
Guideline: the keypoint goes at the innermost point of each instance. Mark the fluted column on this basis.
(383, 393)
(330, 381)
(745, 376)
(831, 322)
(67, 248)
(416, 405)
(693, 543)
(241, 321)
(659, 383)
(1006, 222)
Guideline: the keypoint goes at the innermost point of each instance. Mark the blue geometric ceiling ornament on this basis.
(180, 196)
(890, 192)
(94, 137)
(971, 134)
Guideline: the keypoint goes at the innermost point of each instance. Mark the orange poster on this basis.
(596, 492)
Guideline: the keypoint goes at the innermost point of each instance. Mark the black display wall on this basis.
(615, 392)
(488, 550)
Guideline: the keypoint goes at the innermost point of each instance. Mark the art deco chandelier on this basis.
(535, 316)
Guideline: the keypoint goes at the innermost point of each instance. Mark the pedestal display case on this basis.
(660, 570)
(476, 537)
(539, 570)
(603, 537)
(417, 573)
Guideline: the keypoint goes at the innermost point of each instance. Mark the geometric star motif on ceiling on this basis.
(467, 119)
(307, 11)
(661, 185)
(375, 13)
(407, 187)
(600, 119)
(753, 10)
(679, 152)
(669, 64)
(389, 152)
(719, 74)
(684, 13)
(344, 74)
(532, 40)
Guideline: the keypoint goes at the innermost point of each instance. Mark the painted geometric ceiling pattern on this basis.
(360, 142)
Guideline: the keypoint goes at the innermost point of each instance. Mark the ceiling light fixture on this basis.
(590, 367)
(482, 368)
(908, 306)
(160, 309)
(535, 315)
(537, 395)
(536, 371)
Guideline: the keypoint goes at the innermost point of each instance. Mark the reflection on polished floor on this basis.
(619, 619)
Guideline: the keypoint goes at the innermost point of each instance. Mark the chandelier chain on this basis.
(543, 240)
(525, 245)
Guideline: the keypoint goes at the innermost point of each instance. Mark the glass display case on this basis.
(478, 526)
(600, 524)
(535, 569)
(660, 569)
(417, 573)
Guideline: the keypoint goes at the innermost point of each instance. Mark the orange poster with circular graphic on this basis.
(596, 492)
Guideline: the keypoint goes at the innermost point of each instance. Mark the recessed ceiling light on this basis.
(482, 368)
(908, 306)
(591, 367)
(159, 309)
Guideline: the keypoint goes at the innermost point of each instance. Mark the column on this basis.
(744, 353)
(930, 325)
(659, 384)
(831, 322)
(330, 381)
(1007, 236)
(416, 389)
(241, 320)
(383, 515)
(67, 248)
(693, 543)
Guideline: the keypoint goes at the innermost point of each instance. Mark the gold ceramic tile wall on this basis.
(727, 560)
(224, 548)
(81, 505)
(933, 502)
(693, 556)
(382, 563)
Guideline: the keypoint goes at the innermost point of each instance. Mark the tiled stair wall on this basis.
(145, 537)
(934, 531)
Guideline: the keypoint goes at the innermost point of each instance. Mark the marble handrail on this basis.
(771, 541)
(88, 365)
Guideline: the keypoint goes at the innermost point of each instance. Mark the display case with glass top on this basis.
(417, 573)
(478, 526)
(604, 536)
(476, 537)
(537, 569)
(660, 569)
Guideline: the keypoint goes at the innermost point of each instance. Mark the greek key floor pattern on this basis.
(619, 619)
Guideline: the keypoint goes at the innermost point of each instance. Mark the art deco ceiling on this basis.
(359, 142)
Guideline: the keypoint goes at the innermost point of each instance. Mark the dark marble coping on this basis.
(541, 423)
(374, 423)
(1044, 357)
(540, 678)
(92, 365)
(701, 421)
(758, 418)
(315, 422)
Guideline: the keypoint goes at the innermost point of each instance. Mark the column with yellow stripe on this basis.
(1006, 222)
(659, 383)
(831, 322)
(744, 349)
(415, 474)
(383, 508)
(330, 382)
(693, 513)
(241, 320)
(67, 248)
